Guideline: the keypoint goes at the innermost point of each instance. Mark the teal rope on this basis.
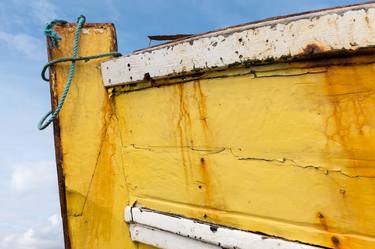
(50, 116)
(52, 36)
(80, 58)
(53, 39)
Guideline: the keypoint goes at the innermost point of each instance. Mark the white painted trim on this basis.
(341, 29)
(161, 239)
(128, 214)
(155, 228)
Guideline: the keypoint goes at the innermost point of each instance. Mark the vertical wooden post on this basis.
(92, 185)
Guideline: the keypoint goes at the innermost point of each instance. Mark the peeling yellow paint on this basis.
(286, 150)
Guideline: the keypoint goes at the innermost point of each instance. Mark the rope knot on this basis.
(52, 36)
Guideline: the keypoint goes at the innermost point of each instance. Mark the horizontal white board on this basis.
(172, 231)
(340, 29)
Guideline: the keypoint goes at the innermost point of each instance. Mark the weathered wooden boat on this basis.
(260, 135)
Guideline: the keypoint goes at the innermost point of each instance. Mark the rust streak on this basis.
(185, 135)
(202, 109)
(204, 167)
(59, 153)
(204, 171)
(350, 116)
(322, 221)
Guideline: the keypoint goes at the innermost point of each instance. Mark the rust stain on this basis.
(335, 242)
(348, 118)
(205, 174)
(211, 184)
(185, 135)
(186, 140)
(196, 172)
(313, 48)
(201, 101)
(184, 121)
(196, 169)
(200, 98)
(322, 221)
(204, 170)
(351, 100)
(324, 226)
(208, 195)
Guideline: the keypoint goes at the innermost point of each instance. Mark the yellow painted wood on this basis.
(288, 150)
(96, 192)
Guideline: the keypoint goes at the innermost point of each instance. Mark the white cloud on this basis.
(25, 44)
(42, 236)
(30, 176)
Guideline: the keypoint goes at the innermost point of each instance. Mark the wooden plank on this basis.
(344, 29)
(288, 151)
(148, 224)
(165, 240)
(91, 180)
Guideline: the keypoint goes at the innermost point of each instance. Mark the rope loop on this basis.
(50, 116)
(79, 58)
(81, 18)
(54, 38)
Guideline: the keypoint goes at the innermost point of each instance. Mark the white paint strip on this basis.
(341, 29)
(166, 240)
(156, 228)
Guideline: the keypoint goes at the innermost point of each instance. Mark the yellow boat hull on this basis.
(286, 149)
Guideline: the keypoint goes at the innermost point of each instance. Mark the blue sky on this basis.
(29, 207)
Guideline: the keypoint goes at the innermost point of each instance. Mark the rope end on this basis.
(52, 35)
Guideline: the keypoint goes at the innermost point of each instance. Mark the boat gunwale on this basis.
(259, 23)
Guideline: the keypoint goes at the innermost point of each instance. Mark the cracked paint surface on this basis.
(287, 149)
(283, 149)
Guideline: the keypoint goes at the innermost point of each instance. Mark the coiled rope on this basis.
(54, 38)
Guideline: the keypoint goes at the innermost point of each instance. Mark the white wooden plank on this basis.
(348, 29)
(195, 230)
(166, 240)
